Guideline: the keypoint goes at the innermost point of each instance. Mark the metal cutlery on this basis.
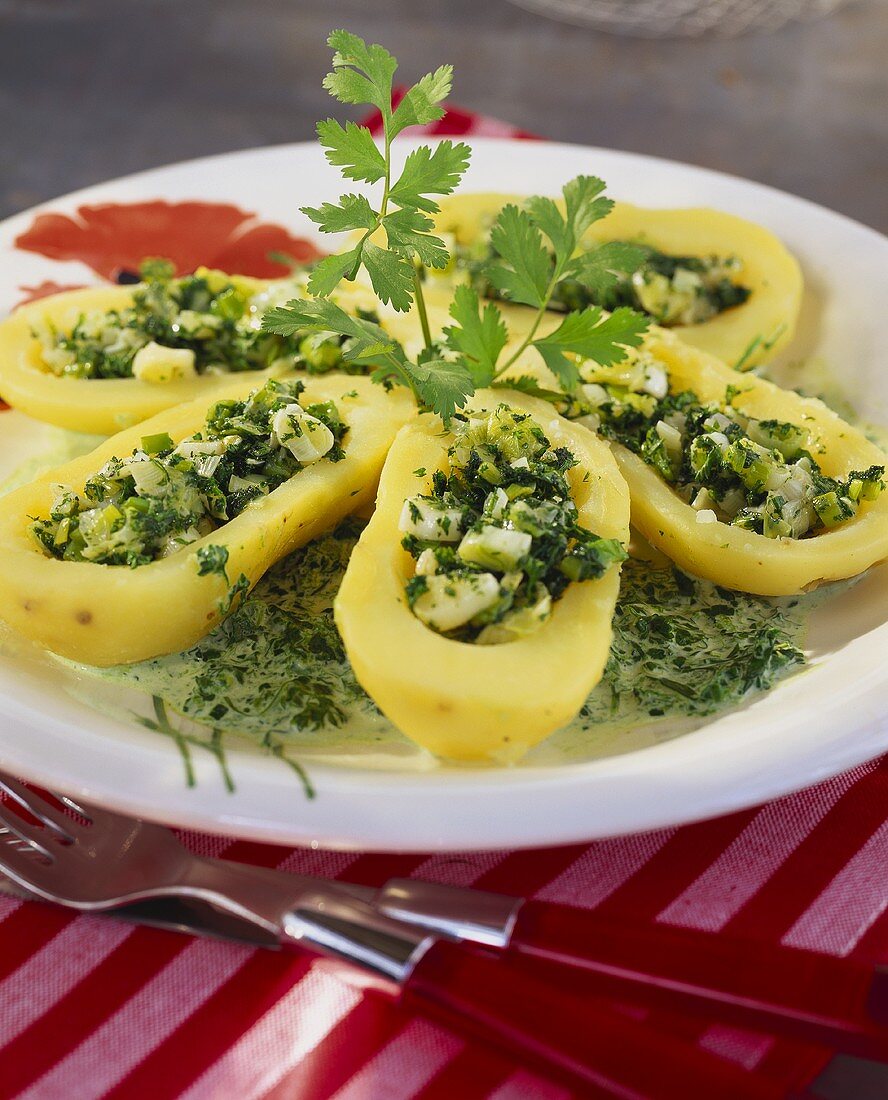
(90, 859)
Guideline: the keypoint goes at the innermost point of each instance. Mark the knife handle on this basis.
(497, 1000)
(842, 1003)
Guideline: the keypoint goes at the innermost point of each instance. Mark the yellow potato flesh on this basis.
(108, 614)
(106, 405)
(741, 559)
(773, 276)
(463, 701)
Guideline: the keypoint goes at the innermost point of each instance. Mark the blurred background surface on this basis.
(91, 89)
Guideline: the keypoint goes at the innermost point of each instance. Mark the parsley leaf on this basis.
(420, 104)
(590, 334)
(365, 340)
(352, 149)
(479, 337)
(408, 233)
(584, 203)
(430, 171)
(361, 73)
(329, 272)
(599, 269)
(517, 240)
(390, 274)
(526, 383)
(353, 212)
(442, 385)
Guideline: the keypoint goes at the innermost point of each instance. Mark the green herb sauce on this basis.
(275, 671)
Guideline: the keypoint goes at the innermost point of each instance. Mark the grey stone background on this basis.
(91, 89)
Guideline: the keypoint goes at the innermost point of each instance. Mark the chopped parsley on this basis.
(497, 539)
(276, 666)
(152, 503)
(687, 646)
(276, 672)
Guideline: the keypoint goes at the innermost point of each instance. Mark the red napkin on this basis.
(93, 1007)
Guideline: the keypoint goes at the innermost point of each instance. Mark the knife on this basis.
(576, 1040)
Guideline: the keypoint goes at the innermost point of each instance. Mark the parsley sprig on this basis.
(534, 249)
(363, 74)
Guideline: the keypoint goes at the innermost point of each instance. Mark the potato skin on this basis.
(461, 701)
(772, 274)
(729, 555)
(107, 614)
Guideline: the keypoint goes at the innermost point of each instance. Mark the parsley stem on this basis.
(421, 309)
(387, 182)
(541, 313)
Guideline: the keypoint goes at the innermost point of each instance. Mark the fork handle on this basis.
(841, 1003)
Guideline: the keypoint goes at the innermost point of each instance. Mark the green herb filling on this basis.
(165, 496)
(756, 474)
(177, 328)
(497, 539)
(671, 290)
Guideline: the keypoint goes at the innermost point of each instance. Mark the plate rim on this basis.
(491, 783)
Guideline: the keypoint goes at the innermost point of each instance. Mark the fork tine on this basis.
(20, 867)
(14, 833)
(38, 807)
(83, 809)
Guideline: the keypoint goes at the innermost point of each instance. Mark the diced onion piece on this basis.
(197, 448)
(595, 394)
(155, 363)
(426, 563)
(305, 437)
(150, 477)
(495, 547)
(656, 381)
(703, 501)
(495, 503)
(706, 515)
(236, 483)
(518, 624)
(421, 518)
(671, 440)
(451, 601)
(717, 422)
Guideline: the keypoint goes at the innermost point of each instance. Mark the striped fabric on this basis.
(91, 1007)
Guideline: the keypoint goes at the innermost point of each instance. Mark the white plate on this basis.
(816, 724)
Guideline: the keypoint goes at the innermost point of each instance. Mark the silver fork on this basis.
(94, 859)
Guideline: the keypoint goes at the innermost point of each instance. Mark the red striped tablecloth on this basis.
(91, 1007)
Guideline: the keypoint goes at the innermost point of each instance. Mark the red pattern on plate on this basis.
(137, 1014)
(115, 237)
(43, 290)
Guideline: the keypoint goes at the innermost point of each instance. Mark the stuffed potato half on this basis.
(751, 331)
(472, 702)
(738, 558)
(104, 614)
